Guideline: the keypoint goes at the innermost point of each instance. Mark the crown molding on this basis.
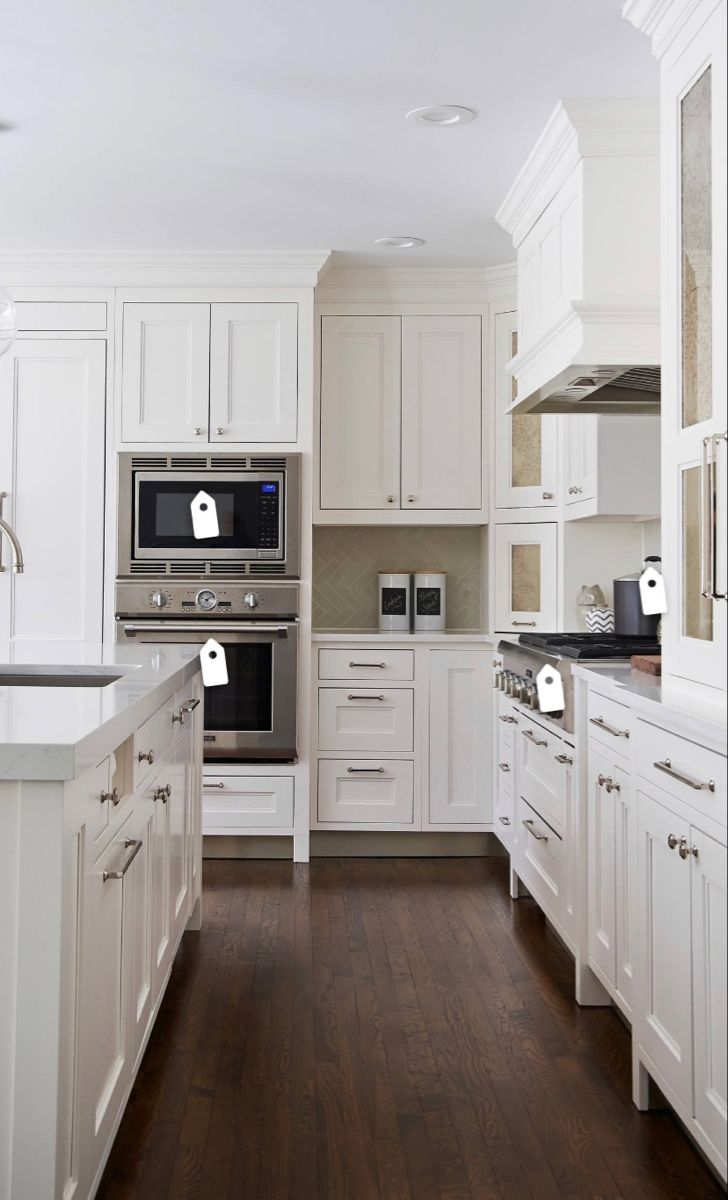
(664, 20)
(108, 268)
(576, 130)
(472, 285)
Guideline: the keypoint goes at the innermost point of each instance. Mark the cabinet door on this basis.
(52, 413)
(178, 815)
(526, 445)
(460, 688)
(137, 886)
(441, 413)
(710, 1017)
(694, 419)
(525, 578)
(361, 363)
(665, 1028)
(254, 373)
(165, 368)
(601, 865)
(161, 905)
(626, 880)
(580, 457)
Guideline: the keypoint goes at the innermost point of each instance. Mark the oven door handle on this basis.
(206, 627)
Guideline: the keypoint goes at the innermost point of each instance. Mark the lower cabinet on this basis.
(237, 804)
(460, 688)
(611, 873)
(504, 807)
(366, 791)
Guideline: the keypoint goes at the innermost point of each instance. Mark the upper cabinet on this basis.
(689, 36)
(526, 446)
(209, 372)
(401, 413)
(582, 215)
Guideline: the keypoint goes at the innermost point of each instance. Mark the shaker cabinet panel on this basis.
(254, 372)
(360, 412)
(165, 372)
(460, 684)
(441, 412)
(526, 445)
(525, 578)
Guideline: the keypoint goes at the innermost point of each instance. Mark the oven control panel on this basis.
(244, 600)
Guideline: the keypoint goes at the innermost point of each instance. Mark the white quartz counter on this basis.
(358, 637)
(643, 694)
(60, 732)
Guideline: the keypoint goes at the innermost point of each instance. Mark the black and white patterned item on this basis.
(395, 599)
(430, 601)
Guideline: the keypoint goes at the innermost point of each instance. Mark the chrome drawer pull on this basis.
(365, 770)
(128, 843)
(611, 786)
(540, 837)
(351, 696)
(667, 769)
(380, 666)
(684, 849)
(531, 737)
(163, 793)
(504, 820)
(672, 840)
(508, 720)
(504, 766)
(178, 716)
(114, 797)
(190, 706)
(146, 754)
(564, 759)
(602, 724)
(530, 623)
(601, 780)
(212, 785)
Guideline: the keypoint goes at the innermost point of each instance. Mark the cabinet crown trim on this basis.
(663, 20)
(164, 269)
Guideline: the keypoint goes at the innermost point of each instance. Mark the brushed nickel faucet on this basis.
(12, 537)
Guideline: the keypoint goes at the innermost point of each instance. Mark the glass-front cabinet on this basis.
(526, 460)
(526, 580)
(694, 368)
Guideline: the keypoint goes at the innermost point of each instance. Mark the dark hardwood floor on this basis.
(397, 1029)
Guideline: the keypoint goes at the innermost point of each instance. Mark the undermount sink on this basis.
(12, 675)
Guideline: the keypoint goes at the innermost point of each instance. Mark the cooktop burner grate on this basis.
(590, 645)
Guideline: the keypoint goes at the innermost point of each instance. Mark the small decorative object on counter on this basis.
(430, 600)
(395, 602)
(599, 620)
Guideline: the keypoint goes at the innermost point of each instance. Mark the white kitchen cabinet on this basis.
(362, 719)
(178, 817)
(506, 724)
(526, 585)
(52, 412)
(366, 791)
(361, 362)
(253, 373)
(165, 372)
(526, 446)
(441, 413)
(580, 457)
(611, 872)
(460, 685)
(710, 1015)
(401, 420)
(611, 466)
(243, 803)
(138, 908)
(193, 372)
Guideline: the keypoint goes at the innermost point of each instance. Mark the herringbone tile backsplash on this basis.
(346, 560)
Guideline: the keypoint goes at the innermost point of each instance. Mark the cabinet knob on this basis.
(411, 499)
(199, 431)
(114, 797)
(672, 841)
(220, 430)
(146, 754)
(163, 793)
(684, 848)
(390, 499)
(547, 495)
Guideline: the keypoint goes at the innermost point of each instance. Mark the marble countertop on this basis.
(360, 636)
(644, 694)
(57, 733)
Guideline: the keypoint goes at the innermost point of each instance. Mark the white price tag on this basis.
(214, 665)
(204, 516)
(652, 592)
(550, 690)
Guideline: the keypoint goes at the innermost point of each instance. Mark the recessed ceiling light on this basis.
(400, 243)
(442, 115)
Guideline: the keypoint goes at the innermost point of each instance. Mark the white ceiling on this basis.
(278, 124)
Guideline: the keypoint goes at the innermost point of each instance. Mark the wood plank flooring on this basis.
(379, 1029)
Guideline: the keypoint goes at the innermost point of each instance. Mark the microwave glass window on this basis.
(245, 704)
(173, 517)
(248, 514)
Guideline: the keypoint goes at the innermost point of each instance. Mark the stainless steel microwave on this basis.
(258, 507)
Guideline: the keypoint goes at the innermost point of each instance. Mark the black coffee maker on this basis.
(629, 620)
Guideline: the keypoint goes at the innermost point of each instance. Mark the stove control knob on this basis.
(159, 600)
(251, 600)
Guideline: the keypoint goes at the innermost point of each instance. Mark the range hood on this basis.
(584, 214)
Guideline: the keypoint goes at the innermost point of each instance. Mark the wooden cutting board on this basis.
(651, 664)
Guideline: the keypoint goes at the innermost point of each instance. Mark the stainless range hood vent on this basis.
(605, 389)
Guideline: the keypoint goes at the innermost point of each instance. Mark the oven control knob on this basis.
(251, 600)
(206, 599)
(159, 600)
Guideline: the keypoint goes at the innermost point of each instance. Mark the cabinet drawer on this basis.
(541, 860)
(151, 740)
(683, 769)
(611, 724)
(541, 778)
(59, 315)
(366, 664)
(231, 802)
(377, 793)
(366, 719)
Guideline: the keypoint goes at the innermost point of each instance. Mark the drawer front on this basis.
(541, 860)
(57, 315)
(683, 769)
(366, 719)
(376, 793)
(151, 740)
(541, 777)
(230, 802)
(611, 724)
(372, 663)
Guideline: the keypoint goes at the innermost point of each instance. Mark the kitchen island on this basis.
(100, 875)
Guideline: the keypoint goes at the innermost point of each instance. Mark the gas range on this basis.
(523, 660)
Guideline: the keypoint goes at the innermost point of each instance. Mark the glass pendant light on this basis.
(8, 321)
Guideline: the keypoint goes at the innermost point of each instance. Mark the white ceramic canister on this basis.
(430, 600)
(395, 601)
